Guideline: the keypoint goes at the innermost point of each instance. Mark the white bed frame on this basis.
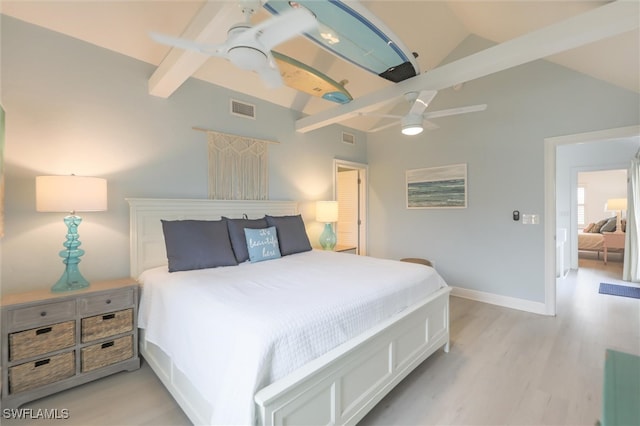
(339, 387)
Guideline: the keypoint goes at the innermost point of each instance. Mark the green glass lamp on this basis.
(327, 212)
(71, 194)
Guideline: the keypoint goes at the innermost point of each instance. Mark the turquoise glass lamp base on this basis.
(328, 238)
(71, 279)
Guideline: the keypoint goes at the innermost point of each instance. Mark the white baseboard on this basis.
(499, 300)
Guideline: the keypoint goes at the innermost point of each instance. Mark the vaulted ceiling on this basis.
(433, 29)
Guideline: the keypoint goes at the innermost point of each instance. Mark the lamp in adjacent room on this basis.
(617, 205)
(327, 212)
(71, 194)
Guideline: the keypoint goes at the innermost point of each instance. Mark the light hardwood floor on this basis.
(504, 367)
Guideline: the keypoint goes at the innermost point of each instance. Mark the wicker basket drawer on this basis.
(107, 302)
(105, 325)
(43, 314)
(41, 372)
(107, 353)
(38, 341)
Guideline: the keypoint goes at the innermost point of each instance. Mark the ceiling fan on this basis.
(249, 47)
(417, 119)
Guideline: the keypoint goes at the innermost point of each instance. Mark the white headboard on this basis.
(147, 248)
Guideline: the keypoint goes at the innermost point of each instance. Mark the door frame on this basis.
(550, 146)
(363, 198)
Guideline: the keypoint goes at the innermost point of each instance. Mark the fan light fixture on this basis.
(247, 58)
(412, 124)
(249, 47)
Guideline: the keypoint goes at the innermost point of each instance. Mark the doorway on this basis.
(350, 190)
(550, 181)
(594, 188)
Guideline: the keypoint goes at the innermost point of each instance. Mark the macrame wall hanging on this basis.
(238, 167)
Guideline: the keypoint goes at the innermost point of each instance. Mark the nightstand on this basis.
(346, 249)
(55, 341)
(612, 240)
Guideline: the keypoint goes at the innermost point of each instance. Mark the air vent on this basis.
(348, 138)
(243, 109)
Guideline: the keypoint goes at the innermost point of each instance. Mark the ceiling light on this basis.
(411, 124)
(247, 57)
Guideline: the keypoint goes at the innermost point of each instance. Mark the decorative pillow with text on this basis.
(262, 244)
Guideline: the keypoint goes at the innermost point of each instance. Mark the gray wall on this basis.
(481, 248)
(76, 108)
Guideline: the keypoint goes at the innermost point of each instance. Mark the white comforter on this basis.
(236, 329)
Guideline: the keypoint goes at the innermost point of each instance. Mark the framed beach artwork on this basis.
(442, 187)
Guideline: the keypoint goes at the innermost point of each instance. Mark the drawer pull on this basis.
(107, 344)
(43, 331)
(108, 316)
(43, 313)
(42, 362)
(108, 301)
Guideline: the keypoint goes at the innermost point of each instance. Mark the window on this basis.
(581, 206)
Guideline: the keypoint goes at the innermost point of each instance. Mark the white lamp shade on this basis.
(327, 211)
(70, 194)
(616, 204)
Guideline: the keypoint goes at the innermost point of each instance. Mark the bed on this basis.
(591, 238)
(590, 241)
(304, 355)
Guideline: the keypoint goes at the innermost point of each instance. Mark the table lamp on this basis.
(327, 212)
(71, 194)
(617, 205)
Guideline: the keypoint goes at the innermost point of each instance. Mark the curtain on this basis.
(630, 270)
(238, 167)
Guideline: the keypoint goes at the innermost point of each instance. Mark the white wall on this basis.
(481, 248)
(72, 107)
(599, 187)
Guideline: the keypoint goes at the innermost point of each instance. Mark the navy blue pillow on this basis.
(291, 233)
(197, 244)
(236, 234)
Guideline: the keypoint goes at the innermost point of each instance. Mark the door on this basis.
(348, 211)
(350, 192)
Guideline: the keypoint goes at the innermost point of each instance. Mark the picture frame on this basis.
(443, 187)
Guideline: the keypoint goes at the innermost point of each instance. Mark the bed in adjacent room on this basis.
(591, 238)
(305, 336)
(590, 241)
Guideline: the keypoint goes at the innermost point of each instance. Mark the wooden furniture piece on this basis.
(346, 249)
(588, 241)
(417, 260)
(54, 341)
(612, 240)
(621, 389)
(339, 387)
